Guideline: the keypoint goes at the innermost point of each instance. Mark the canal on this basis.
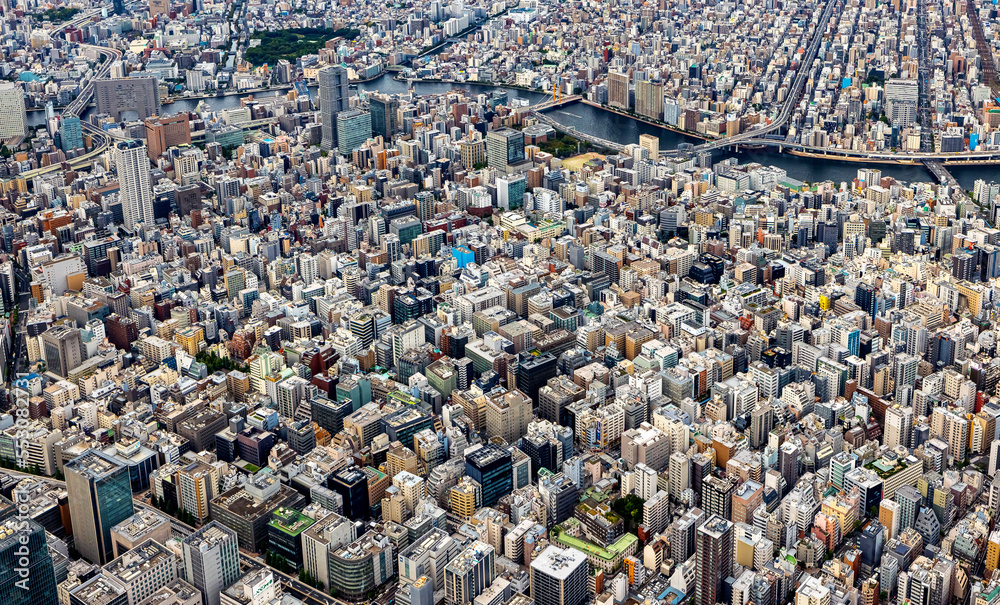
(618, 128)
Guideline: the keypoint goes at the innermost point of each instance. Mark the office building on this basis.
(162, 133)
(353, 129)
(247, 509)
(333, 99)
(285, 535)
(135, 191)
(70, 133)
(63, 349)
(383, 110)
(13, 116)
(28, 542)
(211, 560)
(100, 497)
(469, 574)
(159, 7)
(143, 570)
(352, 484)
(559, 577)
(490, 466)
(128, 99)
(99, 590)
(504, 148)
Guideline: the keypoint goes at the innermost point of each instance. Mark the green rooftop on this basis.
(585, 546)
(290, 521)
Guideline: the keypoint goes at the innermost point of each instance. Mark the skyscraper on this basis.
(136, 192)
(333, 99)
(383, 109)
(714, 562)
(353, 129)
(40, 587)
(211, 560)
(13, 117)
(100, 497)
(559, 577)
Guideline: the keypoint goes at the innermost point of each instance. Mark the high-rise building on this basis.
(127, 99)
(898, 426)
(352, 484)
(163, 133)
(13, 116)
(651, 144)
(135, 190)
(841, 464)
(490, 466)
(70, 133)
(333, 99)
(353, 129)
(63, 349)
(618, 93)
(383, 109)
(211, 560)
(812, 591)
(714, 559)
(469, 574)
(888, 516)
(100, 497)
(504, 147)
(909, 500)
(559, 577)
(20, 543)
(789, 457)
(534, 371)
(717, 496)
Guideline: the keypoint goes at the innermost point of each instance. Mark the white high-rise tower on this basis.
(132, 164)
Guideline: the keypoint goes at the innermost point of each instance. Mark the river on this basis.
(618, 128)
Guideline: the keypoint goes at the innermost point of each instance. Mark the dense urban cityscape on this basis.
(520, 302)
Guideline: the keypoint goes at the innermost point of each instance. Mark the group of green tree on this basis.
(214, 363)
(630, 510)
(60, 14)
(278, 562)
(33, 469)
(170, 507)
(290, 44)
(562, 147)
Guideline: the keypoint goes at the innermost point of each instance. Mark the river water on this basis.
(621, 129)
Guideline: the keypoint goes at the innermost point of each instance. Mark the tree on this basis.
(5, 152)
(630, 509)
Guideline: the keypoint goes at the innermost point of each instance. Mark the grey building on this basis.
(211, 560)
(100, 497)
(333, 99)
(559, 577)
(128, 99)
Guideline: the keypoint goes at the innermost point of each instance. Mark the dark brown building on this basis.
(164, 133)
(121, 331)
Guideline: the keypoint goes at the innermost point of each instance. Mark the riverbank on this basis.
(400, 78)
(900, 161)
(637, 118)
